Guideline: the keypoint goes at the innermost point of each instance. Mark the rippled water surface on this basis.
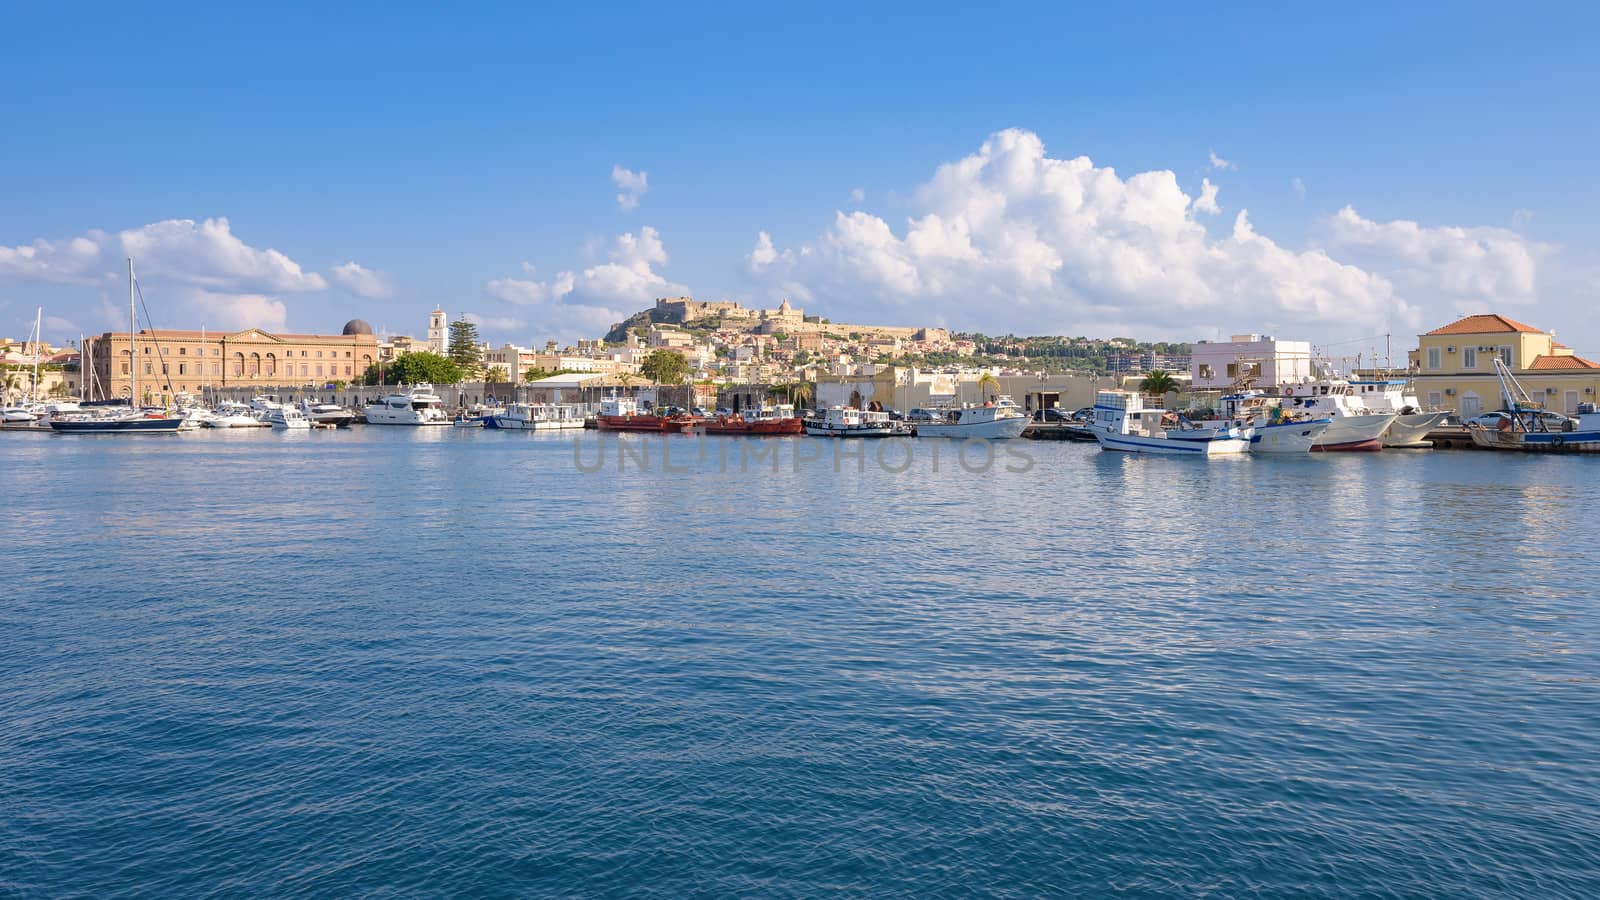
(454, 662)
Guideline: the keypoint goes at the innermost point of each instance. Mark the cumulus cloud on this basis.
(631, 186)
(231, 312)
(1471, 267)
(764, 254)
(1219, 163)
(588, 302)
(362, 282)
(1012, 238)
(73, 261)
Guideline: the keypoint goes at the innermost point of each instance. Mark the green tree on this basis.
(497, 374)
(985, 381)
(411, 368)
(665, 367)
(464, 350)
(800, 393)
(1158, 383)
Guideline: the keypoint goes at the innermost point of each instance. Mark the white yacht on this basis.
(417, 406)
(1353, 427)
(847, 421)
(991, 421)
(288, 416)
(1412, 423)
(264, 404)
(326, 413)
(1121, 422)
(233, 414)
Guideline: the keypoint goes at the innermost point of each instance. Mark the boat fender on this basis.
(1557, 441)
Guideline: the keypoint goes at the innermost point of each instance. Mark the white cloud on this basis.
(202, 254)
(587, 303)
(1298, 186)
(764, 254)
(858, 195)
(1207, 201)
(1468, 267)
(1218, 162)
(231, 312)
(362, 282)
(495, 323)
(1010, 238)
(632, 185)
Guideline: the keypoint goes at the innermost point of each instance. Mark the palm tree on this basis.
(800, 394)
(1158, 383)
(987, 380)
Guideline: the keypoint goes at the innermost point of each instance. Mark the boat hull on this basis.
(992, 430)
(737, 425)
(1287, 437)
(1133, 443)
(1354, 434)
(1537, 441)
(1411, 429)
(645, 423)
(848, 431)
(386, 417)
(118, 426)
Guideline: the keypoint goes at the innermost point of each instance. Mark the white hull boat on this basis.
(1000, 421)
(1121, 422)
(418, 406)
(1411, 430)
(847, 421)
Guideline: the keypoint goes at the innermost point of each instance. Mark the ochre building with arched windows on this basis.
(172, 362)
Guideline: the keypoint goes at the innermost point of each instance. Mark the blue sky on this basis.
(465, 157)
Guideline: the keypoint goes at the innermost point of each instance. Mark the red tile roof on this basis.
(1563, 362)
(1484, 324)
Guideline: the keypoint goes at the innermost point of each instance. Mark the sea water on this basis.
(444, 661)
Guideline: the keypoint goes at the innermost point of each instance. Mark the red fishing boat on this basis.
(622, 414)
(771, 420)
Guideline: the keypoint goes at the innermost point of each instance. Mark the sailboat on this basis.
(135, 420)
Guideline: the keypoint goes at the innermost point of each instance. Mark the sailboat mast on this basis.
(133, 348)
(38, 339)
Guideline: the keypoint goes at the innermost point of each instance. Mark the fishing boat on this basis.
(767, 420)
(1352, 426)
(622, 414)
(1123, 422)
(1412, 423)
(999, 420)
(417, 406)
(132, 421)
(1273, 428)
(1528, 427)
(536, 417)
(849, 422)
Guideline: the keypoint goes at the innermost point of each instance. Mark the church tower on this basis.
(438, 331)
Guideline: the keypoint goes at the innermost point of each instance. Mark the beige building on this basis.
(1453, 366)
(172, 362)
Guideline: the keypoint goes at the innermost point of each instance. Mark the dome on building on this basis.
(357, 326)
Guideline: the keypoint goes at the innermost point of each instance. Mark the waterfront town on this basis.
(737, 360)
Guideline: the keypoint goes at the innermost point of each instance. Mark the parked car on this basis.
(1054, 416)
(1553, 421)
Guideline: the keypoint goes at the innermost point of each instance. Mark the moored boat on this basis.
(999, 420)
(847, 421)
(417, 406)
(1122, 422)
(1412, 423)
(1352, 426)
(1528, 427)
(772, 420)
(326, 413)
(622, 414)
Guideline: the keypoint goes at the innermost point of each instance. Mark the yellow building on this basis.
(1453, 366)
(173, 362)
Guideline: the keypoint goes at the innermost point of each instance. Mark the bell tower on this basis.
(438, 331)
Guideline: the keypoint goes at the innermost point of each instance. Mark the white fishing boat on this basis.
(1123, 422)
(847, 421)
(1274, 429)
(1394, 395)
(536, 417)
(417, 406)
(1352, 425)
(992, 421)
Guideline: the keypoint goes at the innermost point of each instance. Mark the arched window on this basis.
(272, 363)
(255, 365)
(238, 364)
(127, 368)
